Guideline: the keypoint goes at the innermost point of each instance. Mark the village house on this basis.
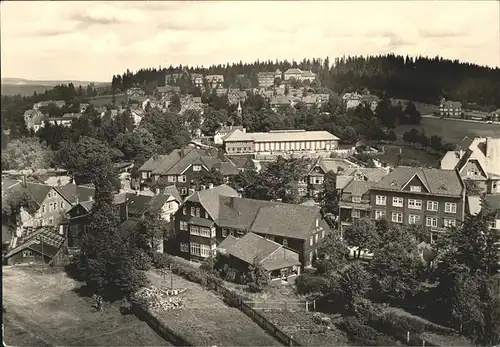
(33, 119)
(285, 141)
(293, 73)
(224, 130)
(281, 263)
(191, 103)
(221, 91)
(65, 120)
(215, 81)
(266, 79)
(235, 96)
(353, 185)
(84, 107)
(164, 91)
(135, 92)
(171, 79)
(495, 116)
(308, 76)
(182, 166)
(280, 101)
(434, 198)
(137, 115)
(353, 100)
(209, 216)
(197, 79)
(452, 109)
(477, 159)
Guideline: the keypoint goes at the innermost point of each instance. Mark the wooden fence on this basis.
(282, 305)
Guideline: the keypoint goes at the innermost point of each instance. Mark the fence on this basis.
(282, 305)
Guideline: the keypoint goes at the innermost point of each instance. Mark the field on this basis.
(45, 310)
(391, 154)
(300, 326)
(23, 89)
(452, 131)
(206, 320)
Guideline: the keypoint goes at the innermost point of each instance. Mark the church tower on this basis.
(240, 111)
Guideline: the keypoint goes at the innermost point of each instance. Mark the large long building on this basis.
(286, 141)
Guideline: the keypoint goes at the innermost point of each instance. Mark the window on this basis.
(197, 167)
(431, 222)
(184, 247)
(323, 233)
(193, 211)
(62, 205)
(183, 225)
(213, 232)
(415, 204)
(413, 219)
(269, 237)
(51, 221)
(492, 224)
(27, 254)
(432, 206)
(171, 178)
(184, 211)
(415, 189)
(450, 207)
(205, 251)
(48, 195)
(381, 200)
(205, 232)
(316, 238)
(311, 241)
(398, 202)
(144, 175)
(195, 249)
(317, 223)
(194, 230)
(184, 191)
(356, 199)
(449, 223)
(224, 232)
(43, 208)
(379, 214)
(285, 242)
(197, 212)
(191, 190)
(397, 217)
(356, 214)
(181, 178)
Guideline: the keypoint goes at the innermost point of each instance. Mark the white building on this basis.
(285, 141)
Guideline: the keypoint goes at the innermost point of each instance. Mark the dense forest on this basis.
(419, 79)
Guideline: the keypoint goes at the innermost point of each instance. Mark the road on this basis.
(459, 119)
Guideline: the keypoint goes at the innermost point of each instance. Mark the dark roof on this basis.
(286, 220)
(152, 163)
(358, 188)
(74, 193)
(228, 242)
(173, 191)
(372, 174)
(179, 160)
(493, 201)
(250, 246)
(8, 183)
(209, 198)
(37, 191)
(138, 204)
(33, 237)
(439, 182)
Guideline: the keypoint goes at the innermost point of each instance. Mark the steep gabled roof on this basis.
(358, 188)
(74, 193)
(252, 246)
(209, 198)
(49, 236)
(439, 182)
(152, 163)
(372, 174)
(287, 220)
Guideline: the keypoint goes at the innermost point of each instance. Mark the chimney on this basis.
(210, 185)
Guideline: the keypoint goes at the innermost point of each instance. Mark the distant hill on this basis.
(14, 86)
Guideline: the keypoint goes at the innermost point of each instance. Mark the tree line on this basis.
(415, 78)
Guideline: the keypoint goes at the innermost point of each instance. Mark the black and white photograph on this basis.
(250, 173)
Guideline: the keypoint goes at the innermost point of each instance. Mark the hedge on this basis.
(365, 335)
(307, 283)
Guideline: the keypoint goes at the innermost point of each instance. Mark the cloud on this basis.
(441, 33)
(86, 19)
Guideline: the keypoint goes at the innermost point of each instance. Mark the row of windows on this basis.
(397, 217)
(199, 250)
(201, 231)
(53, 206)
(195, 212)
(314, 239)
(416, 204)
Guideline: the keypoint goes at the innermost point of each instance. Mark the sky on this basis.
(92, 41)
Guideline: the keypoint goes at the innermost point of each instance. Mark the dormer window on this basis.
(415, 189)
(356, 199)
(196, 167)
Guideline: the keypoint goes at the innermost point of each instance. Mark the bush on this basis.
(364, 335)
(161, 260)
(142, 261)
(306, 284)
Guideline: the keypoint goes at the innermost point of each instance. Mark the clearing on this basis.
(206, 320)
(392, 151)
(44, 310)
(450, 130)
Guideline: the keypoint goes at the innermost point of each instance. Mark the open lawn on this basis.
(45, 310)
(451, 131)
(300, 326)
(391, 155)
(206, 320)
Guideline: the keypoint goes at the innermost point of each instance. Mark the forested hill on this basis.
(420, 79)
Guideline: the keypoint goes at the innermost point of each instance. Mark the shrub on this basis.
(142, 261)
(161, 260)
(306, 284)
(364, 335)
